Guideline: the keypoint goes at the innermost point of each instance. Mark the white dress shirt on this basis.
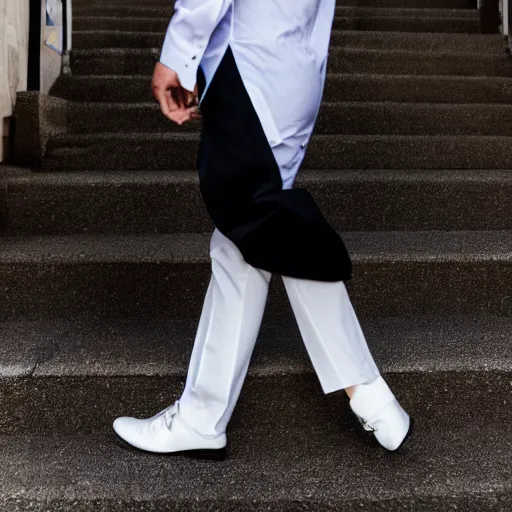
(280, 47)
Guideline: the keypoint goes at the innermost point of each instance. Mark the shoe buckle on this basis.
(367, 426)
(170, 412)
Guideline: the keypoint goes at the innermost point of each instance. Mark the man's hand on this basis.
(176, 103)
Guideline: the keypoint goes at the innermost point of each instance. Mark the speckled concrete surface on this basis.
(349, 87)
(418, 23)
(166, 202)
(154, 151)
(38, 117)
(140, 61)
(82, 373)
(395, 273)
(131, 10)
(349, 118)
(4, 220)
(426, 42)
(23, 345)
(441, 4)
(348, 18)
(155, 10)
(405, 62)
(398, 88)
(442, 89)
(329, 466)
(158, 346)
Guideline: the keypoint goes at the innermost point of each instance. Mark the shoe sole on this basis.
(211, 455)
(407, 436)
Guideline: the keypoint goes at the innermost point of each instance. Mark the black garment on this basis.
(281, 231)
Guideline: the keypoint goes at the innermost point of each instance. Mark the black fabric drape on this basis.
(281, 231)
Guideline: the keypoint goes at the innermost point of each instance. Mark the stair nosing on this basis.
(365, 246)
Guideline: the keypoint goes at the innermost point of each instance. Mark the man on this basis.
(261, 68)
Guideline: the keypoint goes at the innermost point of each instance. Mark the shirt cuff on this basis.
(185, 66)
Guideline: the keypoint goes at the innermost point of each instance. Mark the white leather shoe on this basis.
(379, 412)
(167, 432)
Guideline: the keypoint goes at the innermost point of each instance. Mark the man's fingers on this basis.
(182, 97)
(161, 96)
(190, 113)
(169, 106)
(194, 112)
(180, 116)
(173, 104)
(183, 116)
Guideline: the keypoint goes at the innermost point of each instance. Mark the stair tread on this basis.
(398, 61)
(193, 247)
(83, 140)
(395, 273)
(160, 347)
(424, 20)
(334, 49)
(335, 117)
(455, 4)
(351, 86)
(490, 54)
(341, 11)
(23, 176)
(152, 105)
(401, 108)
(169, 201)
(314, 469)
(129, 151)
(470, 44)
(347, 76)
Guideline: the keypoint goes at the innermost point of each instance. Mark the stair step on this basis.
(349, 118)
(371, 40)
(148, 23)
(453, 24)
(345, 11)
(137, 365)
(401, 273)
(424, 42)
(165, 10)
(346, 87)
(130, 61)
(177, 151)
(117, 39)
(404, 20)
(405, 62)
(320, 462)
(409, 12)
(169, 202)
(438, 370)
(429, 4)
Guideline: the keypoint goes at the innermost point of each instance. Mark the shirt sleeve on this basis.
(188, 35)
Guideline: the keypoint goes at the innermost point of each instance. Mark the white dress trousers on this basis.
(229, 326)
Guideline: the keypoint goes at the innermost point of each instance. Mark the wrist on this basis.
(187, 74)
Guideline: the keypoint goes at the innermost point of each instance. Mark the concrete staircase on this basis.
(104, 263)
